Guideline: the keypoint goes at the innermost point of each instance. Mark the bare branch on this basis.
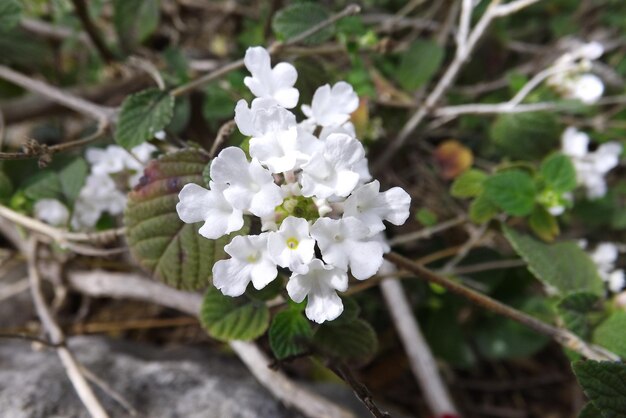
(94, 34)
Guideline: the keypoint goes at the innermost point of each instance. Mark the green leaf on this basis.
(419, 64)
(10, 11)
(525, 136)
(72, 178)
(482, 210)
(563, 266)
(605, 384)
(226, 318)
(299, 17)
(354, 340)
(289, 333)
(269, 292)
(6, 187)
(426, 217)
(559, 173)
(135, 20)
(543, 224)
(159, 241)
(142, 115)
(590, 411)
(43, 185)
(469, 184)
(351, 311)
(218, 105)
(574, 310)
(513, 191)
(611, 334)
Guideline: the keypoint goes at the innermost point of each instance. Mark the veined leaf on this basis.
(10, 11)
(299, 17)
(289, 333)
(605, 384)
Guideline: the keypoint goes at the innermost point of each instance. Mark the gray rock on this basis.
(158, 382)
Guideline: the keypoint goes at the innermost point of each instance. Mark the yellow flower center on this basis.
(292, 243)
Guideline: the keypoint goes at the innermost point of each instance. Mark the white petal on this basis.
(231, 276)
(323, 306)
(298, 287)
(263, 273)
(264, 202)
(397, 204)
(193, 203)
(365, 259)
(574, 142)
(229, 166)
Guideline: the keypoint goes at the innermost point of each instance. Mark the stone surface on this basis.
(158, 382)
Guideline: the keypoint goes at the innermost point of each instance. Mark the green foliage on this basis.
(289, 333)
(72, 178)
(611, 333)
(419, 64)
(218, 105)
(426, 217)
(563, 266)
(559, 173)
(543, 224)
(226, 318)
(135, 21)
(352, 340)
(590, 411)
(513, 191)
(482, 210)
(469, 184)
(575, 309)
(10, 11)
(605, 385)
(63, 181)
(6, 187)
(299, 17)
(142, 115)
(525, 136)
(159, 241)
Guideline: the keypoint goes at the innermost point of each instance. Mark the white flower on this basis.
(250, 262)
(98, 195)
(574, 142)
(292, 246)
(592, 50)
(52, 212)
(199, 204)
(346, 243)
(587, 88)
(115, 159)
(604, 256)
(616, 281)
(271, 83)
(251, 187)
(371, 207)
(320, 285)
(332, 171)
(332, 106)
(160, 135)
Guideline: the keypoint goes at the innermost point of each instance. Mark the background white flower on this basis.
(319, 285)
(332, 106)
(52, 212)
(99, 194)
(267, 82)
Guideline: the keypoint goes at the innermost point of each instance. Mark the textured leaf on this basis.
(543, 223)
(563, 266)
(611, 334)
(354, 340)
(419, 63)
(513, 191)
(559, 173)
(482, 210)
(72, 178)
(142, 115)
(299, 17)
(161, 243)
(288, 334)
(226, 318)
(590, 411)
(43, 185)
(574, 310)
(469, 184)
(10, 11)
(351, 311)
(605, 385)
(526, 136)
(135, 20)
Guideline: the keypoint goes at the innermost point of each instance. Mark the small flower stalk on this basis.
(322, 216)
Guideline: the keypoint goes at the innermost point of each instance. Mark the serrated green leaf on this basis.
(142, 115)
(469, 184)
(513, 191)
(605, 384)
(72, 178)
(525, 136)
(543, 224)
(135, 20)
(419, 64)
(351, 311)
(611, 334)
(173, 251)
(559, 173)
(10, 11)
(354, 340)
(299, 17)
(590, 411)
(482, 210)
(269, 292)
(563, 266)
(289, 333)
(226, 318)
(574, 310)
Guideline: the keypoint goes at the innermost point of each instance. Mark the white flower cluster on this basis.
(308, 183)
(100, 192)
(591, 166)
(571, 77)
(605, 256)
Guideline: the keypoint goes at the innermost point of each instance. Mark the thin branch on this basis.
(83, 14)
(134, 286)
(421, 359)
(476, 235)
(562, 336)
(72, 368)
(225, 131)
(273, 49)
(427, 232)
(359, 389)
(54, 32)
(106, 388)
